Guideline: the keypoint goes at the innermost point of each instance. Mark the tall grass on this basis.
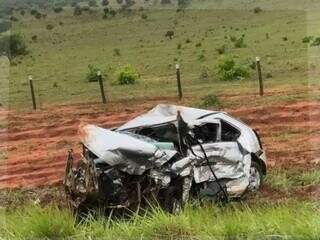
(293, 220)
(287, 180)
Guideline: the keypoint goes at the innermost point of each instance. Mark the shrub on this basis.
(285, 39)
(239, 43)
(199, 44)
(221, 50)
(210, 100)
(228, 70)
(129, 3)
(179, 46)
(34, 38)
(188, 40)
(165, 1)
(49, 27)
(307, 39)
(22, 12)
(116, 52)
(252, 64)
(316, 42)
(119, 1)
(38, 15)
(183, 3)
(170, 34)
(4, 26)
(144, 16)
(204, 74)
(127, 75)
(57, 9)
(13, 45)
(233, 38)
(104, 2)
(17, 45)
(108, 12)
(13, 19)
(257, 10)
(201, 57)
(269, 75)
(77, 11)
(92, 3)
(85, 8)
(112, 12)
(92, 73)
(33, 12)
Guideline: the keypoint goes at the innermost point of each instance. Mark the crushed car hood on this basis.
(123, 151)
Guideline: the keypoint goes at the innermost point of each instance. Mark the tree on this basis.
(108, 12)
(92, 3)
(14, 45)
(183, 3)
(77, 11)
(170, 34)
(105, 3)
(57, 9)
(5, 26)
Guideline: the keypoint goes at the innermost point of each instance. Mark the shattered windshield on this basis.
(160, 145)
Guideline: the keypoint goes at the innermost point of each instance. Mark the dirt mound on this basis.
(36, 143)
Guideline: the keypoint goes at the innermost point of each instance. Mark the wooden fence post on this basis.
(32, 93)
(179, 81)
(259, 76)
(101, 87)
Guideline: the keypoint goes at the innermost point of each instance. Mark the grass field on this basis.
(59, 58)
(291, 220)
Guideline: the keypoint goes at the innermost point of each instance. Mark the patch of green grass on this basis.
(287, 180)
(63, 54)
(34, 222)
(294, 220)
(311, 177)
(280, 180)
(3, 124)
(210, 101)
(3, 155)
(286, 135)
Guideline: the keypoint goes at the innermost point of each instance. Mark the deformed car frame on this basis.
(169, 154)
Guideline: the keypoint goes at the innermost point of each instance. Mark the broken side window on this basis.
(162, 133)
(206, 133)
(228, 132)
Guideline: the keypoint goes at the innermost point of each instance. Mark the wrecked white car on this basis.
(170, 154)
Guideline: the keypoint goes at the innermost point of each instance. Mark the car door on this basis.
(225, 155)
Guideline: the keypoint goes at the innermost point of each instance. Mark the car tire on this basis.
(256, 177)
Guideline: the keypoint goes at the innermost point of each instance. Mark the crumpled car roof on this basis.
(164, 113)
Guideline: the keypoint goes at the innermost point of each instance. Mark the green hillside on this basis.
(62, 46)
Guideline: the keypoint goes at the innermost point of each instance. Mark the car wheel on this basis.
(256, 177)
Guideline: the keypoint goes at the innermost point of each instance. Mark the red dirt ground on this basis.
(36, 143)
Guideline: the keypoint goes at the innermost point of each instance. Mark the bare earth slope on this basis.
(36, 143)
